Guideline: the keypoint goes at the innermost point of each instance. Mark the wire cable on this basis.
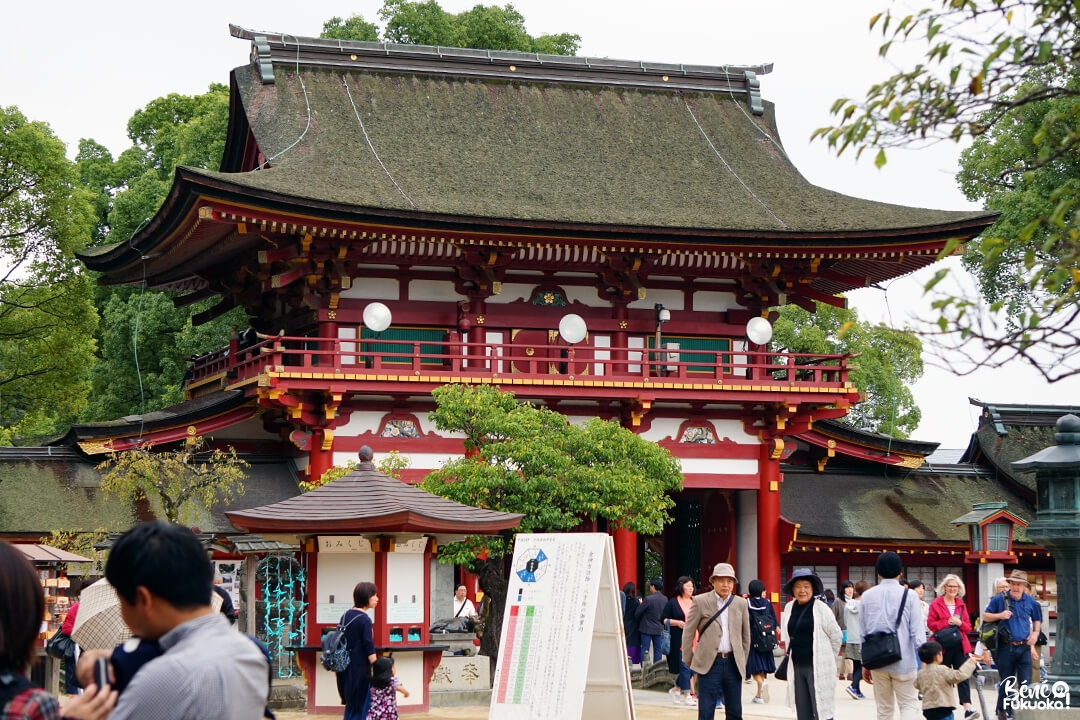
(307, 102)
(729, 168)
(356, 112)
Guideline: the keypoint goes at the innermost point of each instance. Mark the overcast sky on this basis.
(84, 68)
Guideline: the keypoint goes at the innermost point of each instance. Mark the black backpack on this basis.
(762, 629)
(335, 648)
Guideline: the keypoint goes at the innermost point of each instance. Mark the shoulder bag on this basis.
(882, 648)
(993, 634)
(782, 669)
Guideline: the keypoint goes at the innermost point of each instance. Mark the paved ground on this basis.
(654, 705)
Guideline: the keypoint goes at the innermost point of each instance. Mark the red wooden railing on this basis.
(479, 360)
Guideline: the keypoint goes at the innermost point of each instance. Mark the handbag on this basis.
(60, 645)
(665, 640)
(993, 634)
(781, 672)
(882, 648)
(949, 637)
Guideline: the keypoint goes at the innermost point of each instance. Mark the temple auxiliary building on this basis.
(394, 218)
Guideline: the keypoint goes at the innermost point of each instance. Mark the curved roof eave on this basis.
(192, 188)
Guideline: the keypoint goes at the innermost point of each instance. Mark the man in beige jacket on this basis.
(721, 619)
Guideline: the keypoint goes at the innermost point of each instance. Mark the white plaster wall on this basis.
(671, 299)
(746, 548)
(373, 288)
(719, 466)
(433, 290)
(404, 587)
(734, 430)
(585, 295)
(709, 301)
(336, 574)
(662, 428)
(512, 292)
(598, 342)
(360, 422)
(417, 460)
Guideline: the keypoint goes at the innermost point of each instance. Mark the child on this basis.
(937, 682)
(383, 685)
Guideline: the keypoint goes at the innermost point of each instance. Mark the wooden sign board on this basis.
(563, 652)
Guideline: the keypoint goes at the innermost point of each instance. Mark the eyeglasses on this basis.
(952, 587)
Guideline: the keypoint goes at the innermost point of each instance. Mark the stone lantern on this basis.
(1057, 528)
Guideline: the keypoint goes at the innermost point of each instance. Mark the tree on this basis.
(391, 466)
(1000, 73)
(425, 23)
(46, 315)
(526, 459)
(177, 483)
(145, 342)
(887, 362)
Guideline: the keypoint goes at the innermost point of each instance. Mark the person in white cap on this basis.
(721, 619)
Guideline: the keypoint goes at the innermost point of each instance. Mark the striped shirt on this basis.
(208, 672)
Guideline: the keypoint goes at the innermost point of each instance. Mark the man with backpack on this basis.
(1019, 619)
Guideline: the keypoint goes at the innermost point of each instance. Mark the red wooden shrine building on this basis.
(592, 234)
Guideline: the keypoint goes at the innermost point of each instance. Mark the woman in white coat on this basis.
(813, 638)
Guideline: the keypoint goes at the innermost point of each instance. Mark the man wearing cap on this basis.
(1021, 617)
(894, 684)
(722, 619)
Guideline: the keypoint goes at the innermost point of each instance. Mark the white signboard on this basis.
(563, 652)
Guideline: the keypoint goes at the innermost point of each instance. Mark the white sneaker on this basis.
(691, 700)
(758, 700)
(676, 695)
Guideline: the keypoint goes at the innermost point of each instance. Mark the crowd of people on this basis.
(719, 640)
(191, 666)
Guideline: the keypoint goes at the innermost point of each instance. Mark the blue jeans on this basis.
(722, 681)
(646, 640)
(1013, 660)
(683, 680)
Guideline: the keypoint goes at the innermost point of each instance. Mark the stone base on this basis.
(288, 695)
(457, 698)
(652, 675)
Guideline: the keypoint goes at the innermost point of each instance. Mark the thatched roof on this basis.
(444, 138)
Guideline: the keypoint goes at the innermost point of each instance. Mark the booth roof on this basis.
(366, 501)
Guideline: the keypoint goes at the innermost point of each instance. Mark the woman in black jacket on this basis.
(675, 614)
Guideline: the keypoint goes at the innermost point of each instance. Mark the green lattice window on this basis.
(432, 343)
(704, 350)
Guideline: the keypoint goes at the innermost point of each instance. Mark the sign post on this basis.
(563, 652)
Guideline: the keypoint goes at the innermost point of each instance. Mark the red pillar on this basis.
(768, 514)
(619, 354)
(319, 460)
(625, 555)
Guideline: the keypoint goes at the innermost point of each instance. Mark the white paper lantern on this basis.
(572, 328)
(377, 317)
(759, 330)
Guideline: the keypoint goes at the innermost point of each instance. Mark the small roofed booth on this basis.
(368, 526)
(990, 530)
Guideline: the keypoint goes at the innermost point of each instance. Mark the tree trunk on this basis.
(492, 580)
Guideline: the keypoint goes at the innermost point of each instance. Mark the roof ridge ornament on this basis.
(753, 92)
(262, 60)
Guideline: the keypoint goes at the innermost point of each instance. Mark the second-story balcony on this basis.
(586, 371)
